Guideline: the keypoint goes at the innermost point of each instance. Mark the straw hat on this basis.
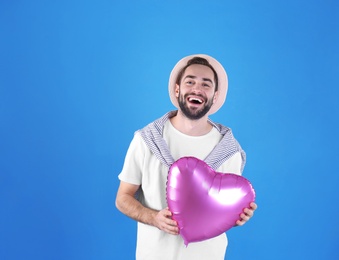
(222, 81)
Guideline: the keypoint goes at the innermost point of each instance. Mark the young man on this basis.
(197, 87)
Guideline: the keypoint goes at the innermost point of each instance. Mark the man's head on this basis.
(198, 85)
(195, 90)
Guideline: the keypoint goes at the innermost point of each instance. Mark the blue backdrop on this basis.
(77, 78)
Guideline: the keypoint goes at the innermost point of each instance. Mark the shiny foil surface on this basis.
(205, 203)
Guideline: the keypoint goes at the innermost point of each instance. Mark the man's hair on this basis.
(199, 61)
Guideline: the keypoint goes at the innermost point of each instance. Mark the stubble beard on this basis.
(193, 113)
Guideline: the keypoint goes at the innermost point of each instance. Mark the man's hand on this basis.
(247, 214)
(127, 204)
(163, 220)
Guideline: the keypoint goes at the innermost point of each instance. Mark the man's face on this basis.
(196, 93)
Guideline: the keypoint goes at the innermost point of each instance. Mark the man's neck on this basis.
(191, 127)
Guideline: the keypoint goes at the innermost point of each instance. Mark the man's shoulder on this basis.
(220, 127)
(158, 123)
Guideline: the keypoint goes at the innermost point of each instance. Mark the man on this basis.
(197, 87)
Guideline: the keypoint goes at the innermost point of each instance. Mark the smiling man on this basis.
(196, 91)
(197, 87)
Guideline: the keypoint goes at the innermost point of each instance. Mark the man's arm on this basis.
(127, 204)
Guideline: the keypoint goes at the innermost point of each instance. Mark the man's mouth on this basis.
(195, 100)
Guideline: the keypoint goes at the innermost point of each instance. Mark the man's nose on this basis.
(197, 86)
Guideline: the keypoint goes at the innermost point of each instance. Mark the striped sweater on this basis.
(152, 134)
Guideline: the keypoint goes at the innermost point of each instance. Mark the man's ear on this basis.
(216, 94)
(177, 90)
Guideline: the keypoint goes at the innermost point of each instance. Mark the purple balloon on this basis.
(205, 203)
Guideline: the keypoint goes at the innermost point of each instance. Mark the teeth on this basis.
(195, 99)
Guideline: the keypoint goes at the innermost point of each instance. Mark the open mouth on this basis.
(195, 100)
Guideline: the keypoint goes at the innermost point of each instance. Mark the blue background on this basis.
(77, 78)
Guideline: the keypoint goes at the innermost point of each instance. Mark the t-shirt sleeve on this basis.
(132, 168)
(232, 165)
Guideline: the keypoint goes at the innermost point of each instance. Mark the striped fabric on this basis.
(227, 147)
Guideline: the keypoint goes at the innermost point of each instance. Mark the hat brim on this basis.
(222, 81)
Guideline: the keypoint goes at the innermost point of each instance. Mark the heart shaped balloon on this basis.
(205, 203)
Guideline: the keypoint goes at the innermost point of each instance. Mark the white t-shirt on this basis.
(141, 167)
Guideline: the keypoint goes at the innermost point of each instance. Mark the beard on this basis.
(194, 113)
